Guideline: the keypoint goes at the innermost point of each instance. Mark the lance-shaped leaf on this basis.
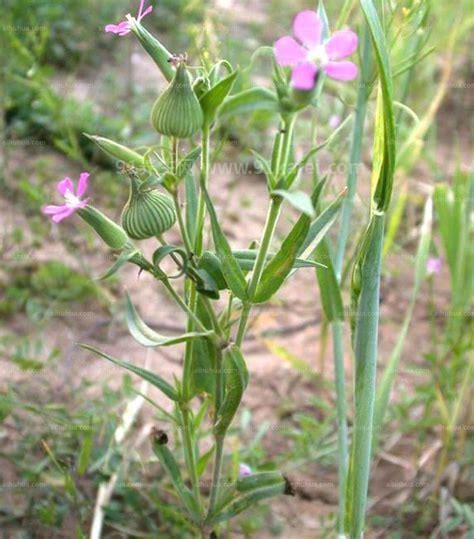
(236, 380)
(330, 292)
(213, 98)
(320, 226)
(249, 499)
(246, 259)
(150, 377)
(298, 199)
(122, 259)
(280, 266)
(251, 100)
(385, 135)
(186, 163)
(147, 336)
(167, 460)
(230, 267)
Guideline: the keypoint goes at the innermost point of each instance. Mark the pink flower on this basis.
(73, 200)
(307, 54)
(244, 470)
(434, 265)
(123, 27)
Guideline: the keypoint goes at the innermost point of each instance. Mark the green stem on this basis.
(189, 453)
(365, 353)
(203, 181)
(183, 305)
(280, 169)
(337, 327)
(216, 474)
(269, 230)
(181, 224)
(192, 302)
(354, 161)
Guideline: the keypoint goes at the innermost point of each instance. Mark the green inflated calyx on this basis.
(177, 112)
(147, 213)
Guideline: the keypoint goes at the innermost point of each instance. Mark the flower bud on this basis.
(118, 151)
(112, 234)
(147, 213)
(177, 112)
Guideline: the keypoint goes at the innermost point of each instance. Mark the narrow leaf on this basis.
(249, 101)
(298, 199)
(280, 266)
(150, 377)
(213, 98)
(230, 267)
(147, 336)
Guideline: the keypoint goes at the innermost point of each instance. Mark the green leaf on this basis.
(230, 268)
(167, 460)
(320, 226)
(122, 259)
(258, 480)
(330, 291)
(248, 500)
(246, 259)
(147, 336)
(204, 460)
(267, 169)
(85, 453)
(298, 199)
(280, 266)
(213, 98)
(385, 136)
(150, 377)
(186, 163)
(249, 101)
(236, 380)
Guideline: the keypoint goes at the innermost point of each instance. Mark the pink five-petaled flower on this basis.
(73, 200)
(123, 27)
(307, 54)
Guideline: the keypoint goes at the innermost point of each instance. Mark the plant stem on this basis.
(189, 453)
(281, 166)
(182, 226)
(183, 305)
(216, 474)
(354, 160)
(337, 327)
(269, 230)
(365, 352)
(192, 301)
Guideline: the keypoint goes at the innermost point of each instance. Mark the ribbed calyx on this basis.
(177, 112)
(147, 213)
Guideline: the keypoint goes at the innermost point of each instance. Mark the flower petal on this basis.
(308, 28)
(341, 70)
(122, 28)
(82, 184)
(341, 44)
(303, 76)
(65, 185)
(288, 52)
(58, 217)
(149, 9)
(52, 209)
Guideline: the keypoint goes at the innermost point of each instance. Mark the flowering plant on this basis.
(221, 284)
